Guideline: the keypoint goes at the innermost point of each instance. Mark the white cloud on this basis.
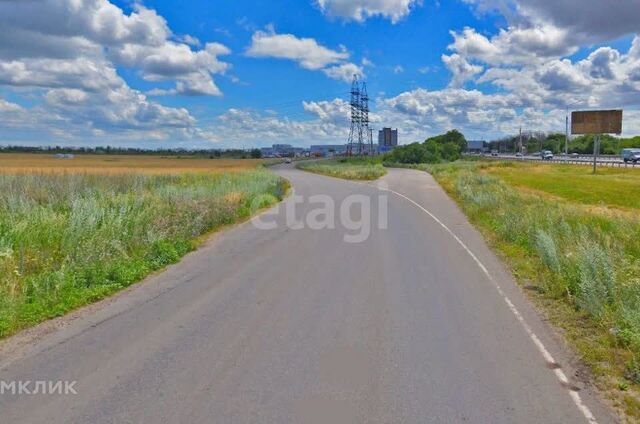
(590, 20)
(8, 107)
(172, 61)
(336, 111)
(307, 52)
(344, 72)
(514, 45)
(360, 10)
(550, 28)
(67, 51)
(398, 69)
(189, 39)
(461, 70)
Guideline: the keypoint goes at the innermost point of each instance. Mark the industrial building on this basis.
(281, 150)
(325, 150)
(477, 146)
(388, 137)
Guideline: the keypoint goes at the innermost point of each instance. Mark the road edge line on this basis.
(560, 375)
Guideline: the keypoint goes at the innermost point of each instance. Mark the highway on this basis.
(604, 161)
(409, 320)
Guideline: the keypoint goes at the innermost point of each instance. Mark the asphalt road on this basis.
(288, 325)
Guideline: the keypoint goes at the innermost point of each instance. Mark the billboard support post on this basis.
(596, 151)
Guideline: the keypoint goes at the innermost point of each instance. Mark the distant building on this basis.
(328, 150)
(281, 150)
(477, 146)
(387, 138)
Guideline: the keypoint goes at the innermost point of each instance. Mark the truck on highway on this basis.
(631, 155)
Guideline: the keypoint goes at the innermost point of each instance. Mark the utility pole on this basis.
(566, 134)
(520, 141)
(596, 151)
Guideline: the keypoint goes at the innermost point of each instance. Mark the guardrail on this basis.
(605, 163)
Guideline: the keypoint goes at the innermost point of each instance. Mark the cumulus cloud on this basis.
(548, 28)
(461, 70)
(336, 111)
(236, 125)
(360, 10)
(591, 20)
(344, 72)
(513, 45)
(68, 50)
(307, 52)
(8, 107)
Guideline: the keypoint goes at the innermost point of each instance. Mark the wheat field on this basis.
(115, 164)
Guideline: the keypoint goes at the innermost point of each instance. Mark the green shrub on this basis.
(597, 283)
(546, 247)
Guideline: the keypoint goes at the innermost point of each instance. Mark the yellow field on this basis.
(27, 162)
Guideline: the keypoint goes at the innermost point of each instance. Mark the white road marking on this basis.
(536, 341)
(560, 375)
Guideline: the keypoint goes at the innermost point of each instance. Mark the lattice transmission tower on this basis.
(360, 136)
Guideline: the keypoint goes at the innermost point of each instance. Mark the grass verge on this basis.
(69, 239)
(349, 169)
(581, 264)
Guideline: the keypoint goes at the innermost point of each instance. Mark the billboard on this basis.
(596, 122)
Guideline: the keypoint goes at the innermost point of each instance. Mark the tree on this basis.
(453, 136)
(450, 151)
(256, 153)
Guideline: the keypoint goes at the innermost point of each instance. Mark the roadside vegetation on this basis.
(68, 239)
(442, 148)
(573, 239)
(347, 168)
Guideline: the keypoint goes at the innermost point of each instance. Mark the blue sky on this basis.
(239, 74)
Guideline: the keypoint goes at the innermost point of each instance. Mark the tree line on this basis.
(446, 147)
(537, 141)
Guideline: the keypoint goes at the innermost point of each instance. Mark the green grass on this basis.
(70, 239)
(617, 187)
(582, 262)
(350, 169)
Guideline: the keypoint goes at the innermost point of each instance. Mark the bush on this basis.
(546, 247)
(597, 283)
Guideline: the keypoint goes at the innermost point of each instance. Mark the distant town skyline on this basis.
(238, 74)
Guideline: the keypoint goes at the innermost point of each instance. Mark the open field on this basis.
(112, 164)
(610, 187)
(355, 169)
(68, 239)
(580, 263)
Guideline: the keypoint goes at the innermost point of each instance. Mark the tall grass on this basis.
(69, 239)
(588, 258)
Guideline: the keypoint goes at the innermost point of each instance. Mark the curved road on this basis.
(414, 321)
